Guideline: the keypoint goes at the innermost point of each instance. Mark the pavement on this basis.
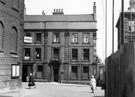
(52, 89)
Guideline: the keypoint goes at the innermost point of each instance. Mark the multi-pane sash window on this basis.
(86, 54)
(56, 53)
(74, 54)
(74, 37)
(85, 38)
(56, 37)
(38, 38)
(38, 53)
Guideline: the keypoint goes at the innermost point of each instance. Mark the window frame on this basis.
(86, 54)
(74, 54)
(74, 73)
(56, 37)
(15, 71)
(87, 34)
(29, 55)
(36, 41)
(39, 54)
(74, 37)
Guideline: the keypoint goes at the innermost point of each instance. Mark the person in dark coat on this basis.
(31, 81)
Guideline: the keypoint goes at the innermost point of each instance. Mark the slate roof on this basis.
(59, 18)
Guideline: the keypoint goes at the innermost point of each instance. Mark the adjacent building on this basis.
(11, 37)
(60, 48)
(128, 21)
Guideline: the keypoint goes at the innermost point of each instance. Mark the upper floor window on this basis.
(132, 26)
(27, 53)
(13, 37)
(1, 35)
(38, 37)
(75, 54)
(27, 38)
(86, 38)
(86, 54)
(38, 53)
(56, 53)
(56, 37)
(74, 37)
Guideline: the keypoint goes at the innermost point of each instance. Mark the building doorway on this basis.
(56, 74)
(27, 69)
(55, 71)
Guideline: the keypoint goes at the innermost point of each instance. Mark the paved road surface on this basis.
(54, 90)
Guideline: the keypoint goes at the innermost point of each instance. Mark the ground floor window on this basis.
(15, 68)
(85, 74)
(74, 72)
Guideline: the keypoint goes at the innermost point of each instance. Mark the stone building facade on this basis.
(11, 30)
(128, 34)
(60, 47)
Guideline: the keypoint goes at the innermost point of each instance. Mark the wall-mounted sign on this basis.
(27, 39)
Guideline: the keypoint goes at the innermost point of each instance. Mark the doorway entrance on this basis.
(27, 69)
(56, 74)
(56, 70)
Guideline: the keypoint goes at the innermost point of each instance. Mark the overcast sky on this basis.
(36, 7)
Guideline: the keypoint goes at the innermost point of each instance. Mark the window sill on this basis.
(74, 42)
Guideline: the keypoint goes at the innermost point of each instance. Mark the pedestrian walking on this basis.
(31, 81)
(93, 83)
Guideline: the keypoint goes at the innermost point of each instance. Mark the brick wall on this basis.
(11, 17)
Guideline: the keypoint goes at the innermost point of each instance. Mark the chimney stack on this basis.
(94, 11)
(58, 12)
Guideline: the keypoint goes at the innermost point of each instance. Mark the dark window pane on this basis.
(38, 53)
(38, 37)
(74, 54)
(85, 54)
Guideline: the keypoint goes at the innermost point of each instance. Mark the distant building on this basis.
(11, 30)
(128, 35)
(60, 47)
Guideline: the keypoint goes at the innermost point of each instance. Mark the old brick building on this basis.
(11, 30)
(60, 47)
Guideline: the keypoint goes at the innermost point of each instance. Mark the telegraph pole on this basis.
(113, 26)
